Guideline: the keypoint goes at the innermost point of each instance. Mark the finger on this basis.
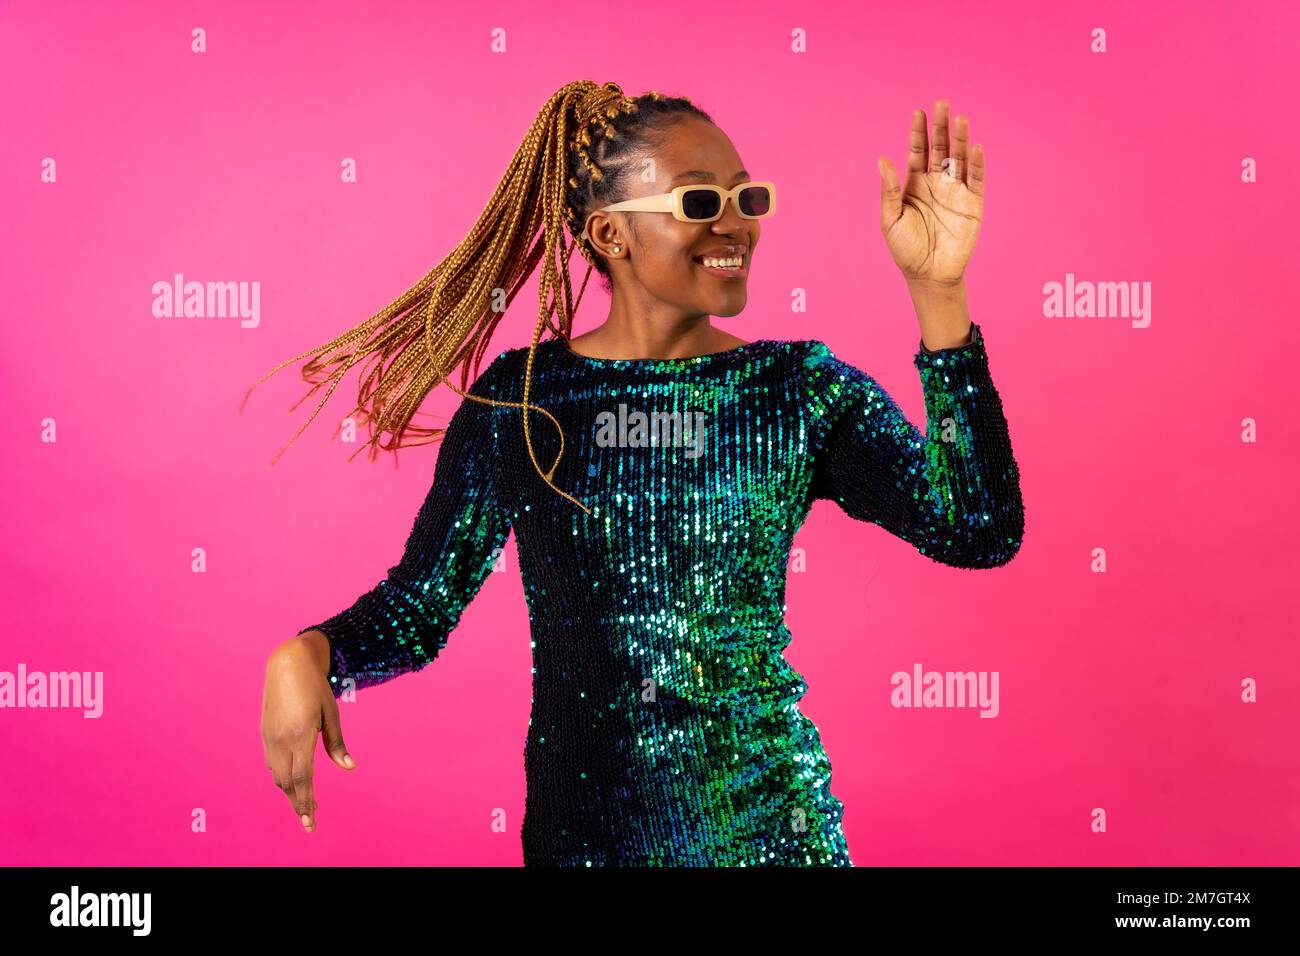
(332, 733)
(891, 196)
(918, 144)
(304, 799)
(939, 141)
(975, 171)
(282, 772)
(960, 136)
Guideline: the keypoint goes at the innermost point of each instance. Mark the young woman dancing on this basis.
(654, 471)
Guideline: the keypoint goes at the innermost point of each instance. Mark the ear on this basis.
(602, 234)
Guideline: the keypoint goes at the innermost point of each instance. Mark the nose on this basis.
(730, 220)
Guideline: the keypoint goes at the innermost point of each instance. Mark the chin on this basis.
(730, 309)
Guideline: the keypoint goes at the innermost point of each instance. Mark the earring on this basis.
(617, 247)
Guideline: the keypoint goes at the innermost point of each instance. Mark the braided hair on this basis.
(445, 321)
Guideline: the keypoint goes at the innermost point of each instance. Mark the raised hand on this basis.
(931, 222)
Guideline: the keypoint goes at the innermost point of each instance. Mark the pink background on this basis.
(1118, 690)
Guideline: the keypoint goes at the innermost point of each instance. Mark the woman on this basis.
(655, 484)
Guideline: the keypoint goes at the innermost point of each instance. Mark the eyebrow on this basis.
(705, 174)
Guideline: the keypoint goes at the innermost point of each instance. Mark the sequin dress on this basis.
(665, 727)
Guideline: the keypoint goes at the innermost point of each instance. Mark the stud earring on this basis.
(617, 247)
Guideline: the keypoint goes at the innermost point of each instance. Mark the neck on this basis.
(638, 335)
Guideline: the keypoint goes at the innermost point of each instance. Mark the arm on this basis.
(952, 492)
(403, 622)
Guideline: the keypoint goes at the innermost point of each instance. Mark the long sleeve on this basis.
(403, 622)
(952, 492)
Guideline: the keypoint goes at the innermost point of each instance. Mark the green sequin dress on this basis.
(665, 726)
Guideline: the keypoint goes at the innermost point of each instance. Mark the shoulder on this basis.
(810, 353)
(815, 352)
(820, 369)
(798, 353)
(496, 376)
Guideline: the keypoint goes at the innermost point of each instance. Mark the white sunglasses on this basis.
(704, 202)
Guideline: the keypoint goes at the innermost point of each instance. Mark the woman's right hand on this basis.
(298, 705)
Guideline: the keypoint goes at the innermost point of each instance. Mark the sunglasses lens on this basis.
(755, 201)
(700, 203)
(705, 204)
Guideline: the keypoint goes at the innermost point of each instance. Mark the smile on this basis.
(724, 268)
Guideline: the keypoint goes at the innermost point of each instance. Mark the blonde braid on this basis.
(450, 307)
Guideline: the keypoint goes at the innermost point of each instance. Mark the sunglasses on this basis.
(704, 203)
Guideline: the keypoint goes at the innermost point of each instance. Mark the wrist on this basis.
(312, 646)
(942, 313)
(924, 282)
(940, 292)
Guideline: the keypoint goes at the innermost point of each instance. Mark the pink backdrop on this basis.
(1120, 690)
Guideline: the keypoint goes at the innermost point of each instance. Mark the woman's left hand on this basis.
(930, 224)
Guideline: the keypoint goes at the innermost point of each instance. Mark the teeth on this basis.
(722, 263)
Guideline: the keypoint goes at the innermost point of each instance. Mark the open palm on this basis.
(930, 224)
